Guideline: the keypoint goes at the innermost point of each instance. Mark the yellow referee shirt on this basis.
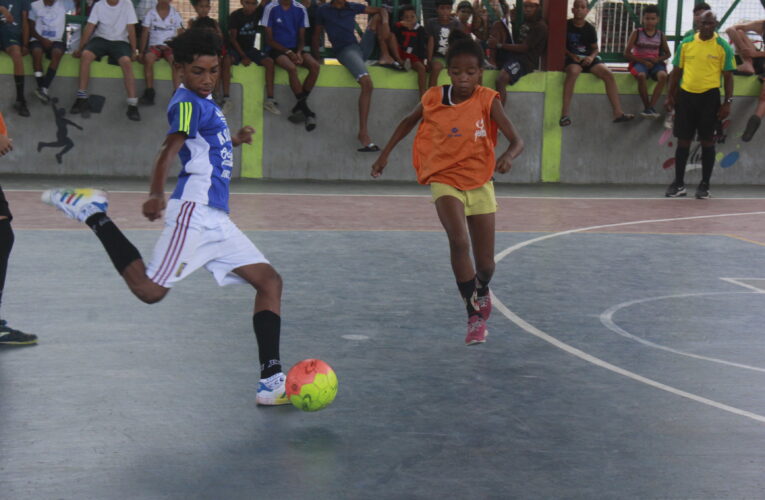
(703, 62)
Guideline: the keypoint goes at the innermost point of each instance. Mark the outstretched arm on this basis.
(153, 207)
(505, 161)
(403, 129)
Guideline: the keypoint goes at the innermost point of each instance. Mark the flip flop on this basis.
(624, 118)
(743, 73)
(394, 66)
(369, 148)
(564, 121)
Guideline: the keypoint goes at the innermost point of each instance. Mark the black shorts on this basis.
(252, 53)
(35, 45)
(585, 69)
(514, 68)
(696, 114)
(4, 210)
(759, 65)
(101, 47)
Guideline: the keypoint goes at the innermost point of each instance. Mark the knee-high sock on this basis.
(6, 243)
(119, 248)
(267, 326)
(707, 162)
(681, 159)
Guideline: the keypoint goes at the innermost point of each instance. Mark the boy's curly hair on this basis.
(193, 43)
(460, 43)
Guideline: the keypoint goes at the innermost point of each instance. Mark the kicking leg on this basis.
(482, 229)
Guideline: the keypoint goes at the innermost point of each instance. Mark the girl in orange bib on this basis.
(454, 154)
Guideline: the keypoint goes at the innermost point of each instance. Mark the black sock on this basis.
(119, 248)
(19, 79)
(483, 286)
(681, 159)
(40, 81)
(468, 292)
(707, 162)
(6, 243)
(49, 76)
(267, 326)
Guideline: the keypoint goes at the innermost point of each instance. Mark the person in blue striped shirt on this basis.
(198, 231)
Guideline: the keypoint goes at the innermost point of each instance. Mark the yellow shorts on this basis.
(477, 201)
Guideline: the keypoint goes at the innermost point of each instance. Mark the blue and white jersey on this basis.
(207, 155)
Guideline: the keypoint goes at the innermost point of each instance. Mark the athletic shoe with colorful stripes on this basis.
(78, 203)
(272, 390)
(10, 336)
(476, 330)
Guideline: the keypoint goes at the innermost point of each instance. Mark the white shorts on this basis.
(196, 235)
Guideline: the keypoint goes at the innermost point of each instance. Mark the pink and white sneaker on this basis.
(484, 306)
(476, 330)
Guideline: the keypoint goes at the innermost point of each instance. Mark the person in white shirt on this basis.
(161, 24)
(111, 25)
(47, 25)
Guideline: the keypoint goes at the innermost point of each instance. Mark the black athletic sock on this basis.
(40, 80)
(468, 292)
(707, 162)
(681, 159)
(19, 79)
(483, 286)
(267, 326)
(49, 76)
(6, 243)
(119, 248)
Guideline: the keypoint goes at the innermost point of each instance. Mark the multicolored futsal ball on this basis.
(311, 385)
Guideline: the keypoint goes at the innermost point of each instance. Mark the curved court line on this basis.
(531, 329)
(606, 317)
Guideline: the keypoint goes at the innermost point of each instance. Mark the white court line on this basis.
(606, 317)
(736, 281)
(531, 329)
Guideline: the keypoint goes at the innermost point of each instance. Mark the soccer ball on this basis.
(311, 385)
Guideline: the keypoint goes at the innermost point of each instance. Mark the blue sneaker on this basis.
(9, 336)
(272, 391)
(77, 204)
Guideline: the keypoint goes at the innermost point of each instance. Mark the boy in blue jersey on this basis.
(198, 231)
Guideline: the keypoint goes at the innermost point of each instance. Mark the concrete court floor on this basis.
(623, 361)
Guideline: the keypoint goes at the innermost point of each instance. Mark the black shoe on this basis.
(21, 108)
(675, 190)
(133, 114)
(297, 116)
(81, 106)
(147, 99)
(751, 127)
(702, 192)
(9, 336)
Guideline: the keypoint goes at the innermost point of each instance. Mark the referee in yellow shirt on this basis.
(699, 63)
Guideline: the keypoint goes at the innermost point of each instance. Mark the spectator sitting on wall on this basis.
(516, 58)
(582, 56)
(285, 22)
(411, 41)
(338, 18)
(161, 24)
(752, 60)
(464, 13)
(438, 29)
(480, 26)
(647, 51)
(47, 27)
(754, 121)
(111, 25)
(204, 21)
(14, 39)
(242, 27)
(698, 11)
(142, 8)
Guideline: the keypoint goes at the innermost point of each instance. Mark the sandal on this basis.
(624, 118)
(369, 148)
(564, 121)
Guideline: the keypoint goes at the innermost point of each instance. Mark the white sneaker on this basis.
(272, 390)
(77, 204)
(42, 94)
(270, 105)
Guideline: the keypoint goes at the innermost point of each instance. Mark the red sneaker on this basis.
(476, 330)
(484, 306)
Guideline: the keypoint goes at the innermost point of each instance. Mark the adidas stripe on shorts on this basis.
(197, 235)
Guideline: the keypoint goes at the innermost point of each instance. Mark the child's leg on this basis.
(602, 72)
(643, 89)
(482, 238)
(435, 68)
(18, 70)
(55, 58)
(37, 55)
(268, 63)
(572, 73)
(86, 59)
(451, 213)
(661, 81)
(266, 320)
(148, 68)
(503, 79)
(422, 77)
(285, 62)
(313, 67)
(744, 47)
(365, 103)
(127, 73)
(760, 110)
(175, 75)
